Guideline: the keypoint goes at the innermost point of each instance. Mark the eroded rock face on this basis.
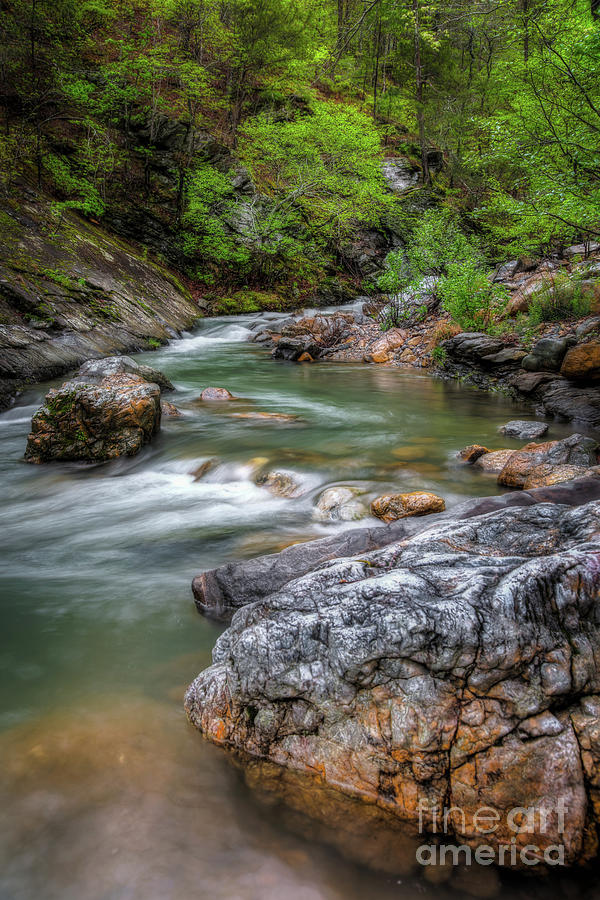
(114, 417)
(457, 667)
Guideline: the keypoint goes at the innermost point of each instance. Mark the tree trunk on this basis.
(419, 94)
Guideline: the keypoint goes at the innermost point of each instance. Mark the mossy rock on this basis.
(243, 302)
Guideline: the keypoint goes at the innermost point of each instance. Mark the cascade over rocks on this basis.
(456, 665)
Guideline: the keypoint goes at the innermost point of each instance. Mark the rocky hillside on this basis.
(70, 291)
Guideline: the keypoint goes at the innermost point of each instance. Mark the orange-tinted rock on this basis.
(546, 474)
(266, 417)
(281, 484)
(493, 462)
(204, 468)
(305, 357)
(576, 450)
(390, 507)
(170, 410)
(383, 348)
(380, 356)
(582, 362)
(472, 453)
(211, 394)
(115, 417)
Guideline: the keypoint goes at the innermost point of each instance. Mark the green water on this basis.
(105, 790)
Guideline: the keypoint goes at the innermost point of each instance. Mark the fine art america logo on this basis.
(511, 845)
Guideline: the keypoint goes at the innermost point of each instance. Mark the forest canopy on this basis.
(253, 131)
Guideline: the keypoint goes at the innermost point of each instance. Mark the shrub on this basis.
(470, 298)
(436, 244)
(559, 298)
(403, 310)
(443, 332)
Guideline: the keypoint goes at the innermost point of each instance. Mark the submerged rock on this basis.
(115, 417)
(390, 507)
(282, 484)
(170, 410)
(527, 431)
(457, 667)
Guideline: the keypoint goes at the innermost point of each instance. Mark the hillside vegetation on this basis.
(241, 141)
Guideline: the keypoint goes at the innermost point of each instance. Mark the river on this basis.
(107, 793)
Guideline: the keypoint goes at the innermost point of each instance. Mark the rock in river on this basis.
(457, 667)
(390, 507)
(576, 450)
(526, 431)
(96, 369)
(88, 421)
(215, 395)
(340, 503)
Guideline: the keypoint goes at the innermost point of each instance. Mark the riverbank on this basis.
(554, 367)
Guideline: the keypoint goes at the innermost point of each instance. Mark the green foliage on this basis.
(439, 355)
(243, 302)
(322, 168)
(470, 298)
(436, 243)
(211, 208)
(559, 299)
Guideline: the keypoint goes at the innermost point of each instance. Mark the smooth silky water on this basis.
(106, 791)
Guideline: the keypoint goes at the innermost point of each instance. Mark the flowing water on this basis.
(106, 791)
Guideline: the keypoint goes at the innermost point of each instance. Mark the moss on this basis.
(243, 302)
(61, 404)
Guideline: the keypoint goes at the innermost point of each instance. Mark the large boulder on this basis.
(547, 355)
(80, 421)
(582, 362)
(457, 668)
(576, 450)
